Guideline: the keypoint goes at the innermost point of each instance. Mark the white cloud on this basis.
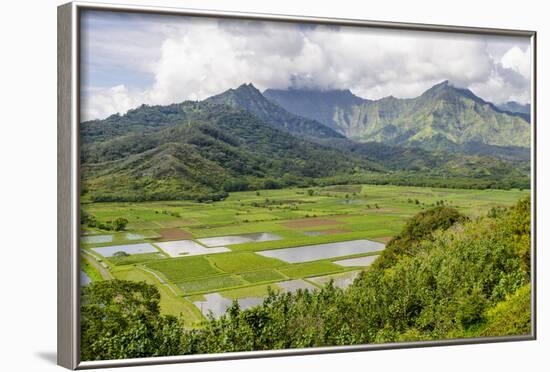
(517, 60)
(100, 103)
(201, 57)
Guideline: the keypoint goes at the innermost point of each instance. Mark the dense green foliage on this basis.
(121, 319)
(510, 317)
(419, 228)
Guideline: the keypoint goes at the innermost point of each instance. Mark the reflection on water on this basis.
(97, 239)
(130, 249)
(217, 241)
(217, 304)
(339, 280)
(322, 251)
(359, 261)
(188, 248)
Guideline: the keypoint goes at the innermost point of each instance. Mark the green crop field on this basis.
(180, 269)
(210, 284)
(262, 276)
(242, 261)
(298, 216)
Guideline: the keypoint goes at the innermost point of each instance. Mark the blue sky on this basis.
(130, 59)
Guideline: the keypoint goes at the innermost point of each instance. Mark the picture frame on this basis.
(69, 176)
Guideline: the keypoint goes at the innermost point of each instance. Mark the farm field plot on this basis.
(174, 234)
(128, 249)
(243, 261)
(359, 261)
(262, 276)
(284, 239)
(295, 285)
(323, 251)
(188, 248)
(218, 303)
(342, 280)
(215, 304)
(181, 269)
(93, 239)
(135, 258)
(210, 283)
(238, 239)
(310, 269)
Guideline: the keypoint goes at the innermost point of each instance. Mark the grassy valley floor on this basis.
(286, 218)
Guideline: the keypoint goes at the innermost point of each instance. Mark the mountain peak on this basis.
(447, 89)
(247, 86)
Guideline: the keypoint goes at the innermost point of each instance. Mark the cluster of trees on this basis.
(121, 319)
(118, 224)
(443, 276)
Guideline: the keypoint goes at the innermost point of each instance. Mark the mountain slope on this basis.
(517, 108)
(215, 148)
(202, 150)
(249, 98)
(443, 118)
(315, 104)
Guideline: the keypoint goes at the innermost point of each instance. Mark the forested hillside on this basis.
(239, 140)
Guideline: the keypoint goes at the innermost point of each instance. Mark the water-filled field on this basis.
(342, 280)
(359, 261)
(218, 241)
(188, 248)
(128, 249)
(323, 251)
(207, 254)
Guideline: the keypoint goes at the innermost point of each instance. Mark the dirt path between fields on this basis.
(105, 274)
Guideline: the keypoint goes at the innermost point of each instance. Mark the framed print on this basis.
(235, 185)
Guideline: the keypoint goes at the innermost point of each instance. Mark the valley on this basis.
(202, 256)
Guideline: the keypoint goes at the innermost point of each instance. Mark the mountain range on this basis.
(242, 139)
(443, 118)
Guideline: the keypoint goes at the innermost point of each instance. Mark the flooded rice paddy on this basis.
(129, 249)
(342, 280)
(97, 239)
(188, 248)
(359, 261)
(218, 241)
(218, 304)
(323, 251)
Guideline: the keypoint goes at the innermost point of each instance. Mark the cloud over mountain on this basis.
(189, 58)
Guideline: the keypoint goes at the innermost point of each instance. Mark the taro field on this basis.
(204, 256)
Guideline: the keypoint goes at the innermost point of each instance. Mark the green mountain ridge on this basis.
(239, 140)
(213, 149)
(442, 118)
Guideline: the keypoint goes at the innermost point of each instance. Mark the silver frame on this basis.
(68, 227)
